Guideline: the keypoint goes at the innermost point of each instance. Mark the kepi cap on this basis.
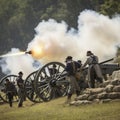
(20, 73)
(68, 58)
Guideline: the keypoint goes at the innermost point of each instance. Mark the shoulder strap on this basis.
(94, 59)
(73, 64)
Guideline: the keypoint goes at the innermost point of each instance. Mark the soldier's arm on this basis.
(84, 65)
(97, 59)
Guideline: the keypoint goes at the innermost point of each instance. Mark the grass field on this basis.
(57, 110)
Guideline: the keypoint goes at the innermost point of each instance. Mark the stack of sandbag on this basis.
(109, 91)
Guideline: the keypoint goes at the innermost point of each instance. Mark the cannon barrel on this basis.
(106, 68)
(101, 62)
(109, 68)
(28, 52)
(106, 61)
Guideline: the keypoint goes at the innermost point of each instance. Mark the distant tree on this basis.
(7, 9)
(18, 18)
(110, 7)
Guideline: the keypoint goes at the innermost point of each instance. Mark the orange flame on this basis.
(37, 52)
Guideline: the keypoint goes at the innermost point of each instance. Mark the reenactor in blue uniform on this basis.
(71, 68)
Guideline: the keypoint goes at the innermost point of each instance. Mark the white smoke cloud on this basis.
(57, 41)
(96, 32)
(99, 33)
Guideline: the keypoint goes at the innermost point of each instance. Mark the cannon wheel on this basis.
(50, 82)
(12, 78)
(30, 90)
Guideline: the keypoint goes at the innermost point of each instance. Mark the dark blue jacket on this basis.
(70, 69)
(10, 87)
(20, 82)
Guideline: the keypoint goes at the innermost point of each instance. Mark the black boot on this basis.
(68, 99)
(69, 96)
(100, 80)
(10, 104)
(77, 93)
(19, 105)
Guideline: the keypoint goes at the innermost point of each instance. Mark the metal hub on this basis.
(53, 82)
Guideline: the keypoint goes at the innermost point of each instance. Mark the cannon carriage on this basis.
(46, 83)
(49, 82)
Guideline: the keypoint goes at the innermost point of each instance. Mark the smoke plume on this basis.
(95, 32)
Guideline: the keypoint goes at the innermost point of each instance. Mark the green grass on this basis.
(57, 110)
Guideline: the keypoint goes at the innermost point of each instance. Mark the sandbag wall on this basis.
(108, 91)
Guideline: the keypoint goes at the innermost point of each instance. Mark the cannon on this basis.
(107, 69)
(47, 83)
(51, 84)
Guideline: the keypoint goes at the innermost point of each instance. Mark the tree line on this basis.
(18, 18)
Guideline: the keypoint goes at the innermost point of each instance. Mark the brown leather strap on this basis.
(74, 71)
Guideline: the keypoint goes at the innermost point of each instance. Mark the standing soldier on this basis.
(71, 68)
(94, 71)
(20, 84)
(10, 89)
